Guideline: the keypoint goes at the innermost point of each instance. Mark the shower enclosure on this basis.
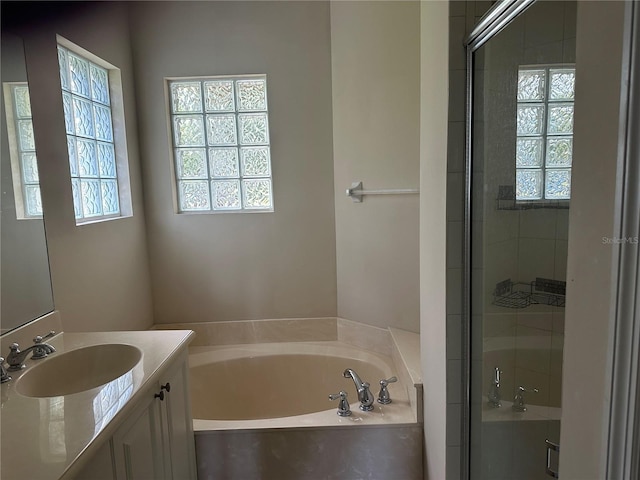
(520, 75)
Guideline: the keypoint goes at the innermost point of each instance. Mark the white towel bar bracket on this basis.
(356, 192)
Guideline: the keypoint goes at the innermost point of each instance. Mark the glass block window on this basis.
(88, 121)
(220, 134)
(544, 143)
(24, 163)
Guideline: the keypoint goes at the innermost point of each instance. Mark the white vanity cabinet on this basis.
(156, 441)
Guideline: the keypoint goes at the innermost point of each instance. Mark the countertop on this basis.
(50, 438)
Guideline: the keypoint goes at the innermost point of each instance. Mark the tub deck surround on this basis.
(402, 346)
(386, 442)
(258, 331)
(54, 437)
(406, 356)
(323, 365)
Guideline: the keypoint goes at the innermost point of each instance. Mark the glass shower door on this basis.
(520, 171)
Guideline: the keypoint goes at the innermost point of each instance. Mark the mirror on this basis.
(25, 288)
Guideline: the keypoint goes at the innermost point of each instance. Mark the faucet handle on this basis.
(14, 359)
(344, 409)
(496, 375)
(40, 338)
(383, 396)
(4, 376)
(41, 350)
(518, 399)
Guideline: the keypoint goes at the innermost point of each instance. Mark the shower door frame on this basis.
(623, 449)
(499, 16)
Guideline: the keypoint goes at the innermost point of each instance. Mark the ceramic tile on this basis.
(454, 337)
(454, 381)
(454, 244)
(538, 223)
(454, 424)
(455, 147)
(536, 259)
(558, 322)
(457, 8)
(457, 95)
(453, 463)
(541, 321)
(454, 291)
(457, 50)
(455, 197)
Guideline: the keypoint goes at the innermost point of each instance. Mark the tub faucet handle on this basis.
(344, 409)
(518, 400)
(384, 397)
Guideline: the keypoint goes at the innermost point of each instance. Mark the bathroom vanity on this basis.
(137, 425)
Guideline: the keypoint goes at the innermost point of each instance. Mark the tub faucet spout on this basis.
(364, 394)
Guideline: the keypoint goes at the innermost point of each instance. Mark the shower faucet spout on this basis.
(364, 394)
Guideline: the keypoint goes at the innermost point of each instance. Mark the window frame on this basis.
(118, 127)
(545, 136)
(170, 115)
(16, 151)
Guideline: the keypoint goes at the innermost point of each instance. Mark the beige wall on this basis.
(99, 271)
(214, 267)
(589, 318)
(375, 59)
(434, 115)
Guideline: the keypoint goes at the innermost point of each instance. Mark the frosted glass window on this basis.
(23, 151)
(88, 121)
(226, 118)
(544, 126)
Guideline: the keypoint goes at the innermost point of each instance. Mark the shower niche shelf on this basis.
(542, 291)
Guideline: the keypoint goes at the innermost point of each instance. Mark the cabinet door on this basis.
(138, 443)
(177, 408)
(99, 467)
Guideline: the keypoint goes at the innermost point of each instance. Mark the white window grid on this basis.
(24, 164)
(221, 145)
(90, 137)
(544, 144)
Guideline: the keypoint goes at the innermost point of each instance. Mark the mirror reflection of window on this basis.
(544, 144)
(22, 150)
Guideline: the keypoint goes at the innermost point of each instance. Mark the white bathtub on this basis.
(262, 411)
(287, 385)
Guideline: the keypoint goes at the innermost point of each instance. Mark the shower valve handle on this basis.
(518, 400)
(344, 409)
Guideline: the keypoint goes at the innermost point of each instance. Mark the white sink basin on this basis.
(78, 370)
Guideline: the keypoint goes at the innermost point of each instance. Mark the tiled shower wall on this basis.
(463, 15)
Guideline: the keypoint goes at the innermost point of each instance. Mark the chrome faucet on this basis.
(16, 357)
(364, 394)
(518, 400)
(494, 390)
